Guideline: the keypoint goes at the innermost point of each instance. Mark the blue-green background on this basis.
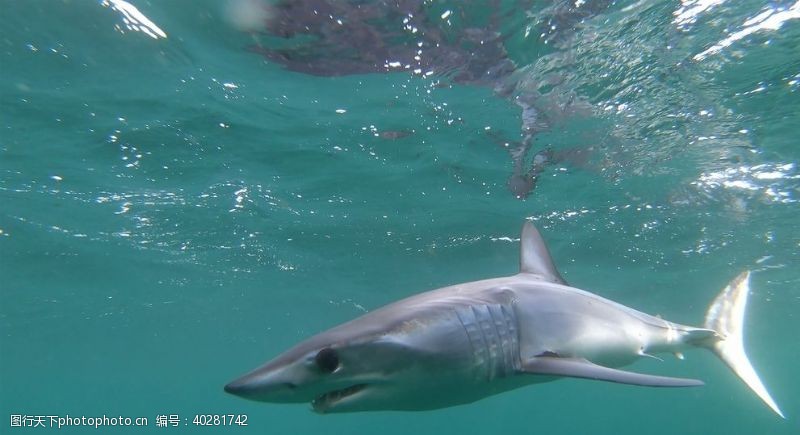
(163, 233)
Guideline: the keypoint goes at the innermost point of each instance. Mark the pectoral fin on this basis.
(581, 368)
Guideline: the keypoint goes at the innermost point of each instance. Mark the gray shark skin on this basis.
(459, 344)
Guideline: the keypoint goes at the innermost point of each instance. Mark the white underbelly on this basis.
(572, 335)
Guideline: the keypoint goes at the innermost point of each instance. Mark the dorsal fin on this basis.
(534, 257)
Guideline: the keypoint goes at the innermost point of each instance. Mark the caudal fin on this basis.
(726, 317)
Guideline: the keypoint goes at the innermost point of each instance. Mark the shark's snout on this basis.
(246, 386)
(239, 387)
(269, 383)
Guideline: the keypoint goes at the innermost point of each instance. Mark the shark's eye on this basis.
(327, 360)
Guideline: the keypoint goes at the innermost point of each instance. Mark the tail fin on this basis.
(726, 317)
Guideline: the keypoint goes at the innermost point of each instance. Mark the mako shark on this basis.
(462, 343)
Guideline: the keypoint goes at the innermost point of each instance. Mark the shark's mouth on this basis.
(329, 399)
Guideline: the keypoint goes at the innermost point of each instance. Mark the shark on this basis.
(459, 344)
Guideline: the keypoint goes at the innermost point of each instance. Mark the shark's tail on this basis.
(726, 317)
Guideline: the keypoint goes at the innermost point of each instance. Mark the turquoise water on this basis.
(178, 207)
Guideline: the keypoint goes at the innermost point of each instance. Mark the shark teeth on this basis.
(325, 401)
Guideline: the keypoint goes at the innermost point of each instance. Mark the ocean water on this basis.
(187, 188)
